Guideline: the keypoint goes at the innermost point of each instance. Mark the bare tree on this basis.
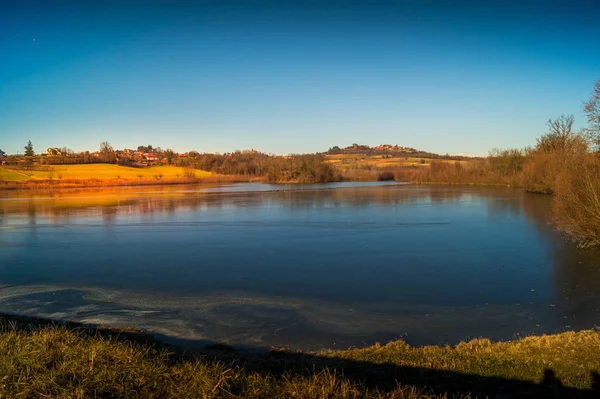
(107, 153)
(560, 133)
(562, 127)
(66, 151)
(592, 110)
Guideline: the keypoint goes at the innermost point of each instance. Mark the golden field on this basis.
(97, 171)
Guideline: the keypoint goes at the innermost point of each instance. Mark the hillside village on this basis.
(140, 157)
(361, 148)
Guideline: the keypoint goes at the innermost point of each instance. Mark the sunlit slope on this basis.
(379, 161)
(96, 171)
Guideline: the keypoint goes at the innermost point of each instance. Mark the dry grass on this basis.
(572, 356)
(58, 363)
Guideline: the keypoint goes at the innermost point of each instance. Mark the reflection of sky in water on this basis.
(346, 263)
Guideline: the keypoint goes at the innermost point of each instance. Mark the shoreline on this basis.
(55, 185)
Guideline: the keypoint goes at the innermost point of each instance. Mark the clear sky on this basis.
(292, 76)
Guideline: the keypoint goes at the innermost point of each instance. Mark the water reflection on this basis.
(302, 266)
(576, 271)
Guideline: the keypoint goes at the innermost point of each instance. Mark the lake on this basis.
(309, 267)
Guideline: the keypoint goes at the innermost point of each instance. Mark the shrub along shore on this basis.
(41, 359)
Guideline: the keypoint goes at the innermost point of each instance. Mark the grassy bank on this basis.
(37, 360)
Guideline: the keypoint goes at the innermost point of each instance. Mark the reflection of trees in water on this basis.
(32, 212)
(109, 216)
(32, 221)
(577, 279)
(450, 194)
(502, 205)
(358, 197)
(576, 271)
(578, 282)
(171, 207)
(293, 199)
(538, 209)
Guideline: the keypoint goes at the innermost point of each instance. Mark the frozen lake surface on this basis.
(320, 266)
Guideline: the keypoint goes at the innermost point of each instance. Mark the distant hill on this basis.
(392, 150)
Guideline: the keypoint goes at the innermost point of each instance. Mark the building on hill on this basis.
(54, 151)
(151, 156)
(393, 148)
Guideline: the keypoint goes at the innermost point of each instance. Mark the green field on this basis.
(94, 171)
(9, 175)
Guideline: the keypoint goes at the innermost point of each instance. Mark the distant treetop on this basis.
(29, 149)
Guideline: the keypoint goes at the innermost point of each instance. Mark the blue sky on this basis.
(291, 77)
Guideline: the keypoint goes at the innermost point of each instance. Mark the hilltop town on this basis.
(358, 148)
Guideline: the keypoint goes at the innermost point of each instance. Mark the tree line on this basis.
(309, 168)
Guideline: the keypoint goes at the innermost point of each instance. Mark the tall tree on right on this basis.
(592, 110)
(29, 149)
(559, 136)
